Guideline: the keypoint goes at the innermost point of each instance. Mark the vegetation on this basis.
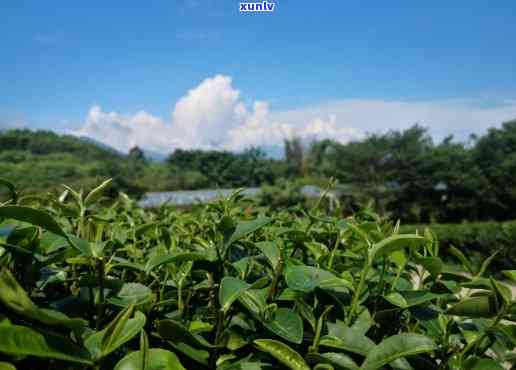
(477, 239)
(41, 161)
(88, 284)
(405, 173)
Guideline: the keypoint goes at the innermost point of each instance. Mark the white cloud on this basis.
(125, 131)
(214, 115)
(212, 108)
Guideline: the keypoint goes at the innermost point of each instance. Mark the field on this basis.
(91, 283)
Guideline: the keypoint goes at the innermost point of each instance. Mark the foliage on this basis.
(52, 160)
(404, 173)
(495, 154)
(230, 287)
(222, 168)
(477, 239)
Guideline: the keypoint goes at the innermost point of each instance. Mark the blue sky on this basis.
(201, 74)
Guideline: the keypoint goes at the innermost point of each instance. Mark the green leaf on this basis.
(283, 353)
(51, 242)
(163, 259)
(511, 274)
(226, 226)
(433, 265)
(254, 300)
(503, 293)
(198, 355)
(97, 192)
(320, 324)
(144, 349)
(32, 216)
(271, 251)
(480, 306)
(45, 221)
(306, 278)
(462, 258)
(245, 228)
(287, 324)
(393, 243)
(84, 247)
(121, 330)
(6, 366)
(363, 322)
(339, 361)
(306, 312)
(347, 339)
(397, 346)
(399, 258)
(22, 341)
(244, 364)
(11, 188)
(475, 363)
(230, 290)
(133, 294)
(487, 262)
(13, 296)
(142, 229)
(317, 249)
(158, 359)
(409, 298)
(175, 332)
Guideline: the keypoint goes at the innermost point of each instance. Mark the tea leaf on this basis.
(32, 216)
(13, 296)
(22, 341)
(287, 324)
(393, 243)
(345, 338)
(6, 366)
(158, 359)
(11, 188)
(481, 306)
(230, 290)
(97, 192)
(133, 294)
(340, 361)
(306, 278)
(395, 347)
(245, 228)
(282, 353)
(119, 331)
(433, 265)
(175, 332)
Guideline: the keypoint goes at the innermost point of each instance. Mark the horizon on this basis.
(203, 75)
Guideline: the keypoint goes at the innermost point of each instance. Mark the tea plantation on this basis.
(88, 283)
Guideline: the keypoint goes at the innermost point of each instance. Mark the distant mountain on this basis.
(41, 142)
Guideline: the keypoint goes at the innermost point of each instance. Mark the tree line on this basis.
(405, 173)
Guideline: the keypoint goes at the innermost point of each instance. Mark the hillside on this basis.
(36, 160)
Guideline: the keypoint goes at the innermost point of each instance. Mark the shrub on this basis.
(483, 238)
(222, 287)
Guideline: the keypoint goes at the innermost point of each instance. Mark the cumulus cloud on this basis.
(214, 106)
(126, 131)
(214, 115)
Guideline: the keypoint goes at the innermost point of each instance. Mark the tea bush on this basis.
(482, 237)
(85, 284)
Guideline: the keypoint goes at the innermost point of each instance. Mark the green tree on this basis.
(495, 154)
